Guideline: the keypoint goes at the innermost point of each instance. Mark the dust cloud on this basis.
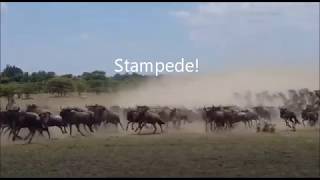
(197, 90)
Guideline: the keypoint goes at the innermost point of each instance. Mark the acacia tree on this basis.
(8, 91)
(80, 87)
(60, 86)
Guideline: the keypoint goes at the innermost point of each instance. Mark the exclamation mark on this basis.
(197, 65)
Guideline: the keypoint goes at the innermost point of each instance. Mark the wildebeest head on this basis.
(45, 116)
(65, 112)
(31, 107)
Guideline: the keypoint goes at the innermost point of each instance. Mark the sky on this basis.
(83, 37)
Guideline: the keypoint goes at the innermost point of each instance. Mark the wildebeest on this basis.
(289, 116)
(177, 116)
(132, 118)
(224, 117)
(262, 112)
(54, 121)
(102, 114)
(18, 120)
(146, 117)
(217, 118)
(51, 120)
(309, 114)
(74, 117)
(34, 108)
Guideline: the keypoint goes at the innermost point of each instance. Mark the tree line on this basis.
(13, 80)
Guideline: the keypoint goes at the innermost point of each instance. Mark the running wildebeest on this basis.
(289, 116)
(132, 117)
(102, 114)
(31, 121)
(262, 112)
(309, 114)
(54, 121)
(147, 117)
(177, 116)
(74, 117)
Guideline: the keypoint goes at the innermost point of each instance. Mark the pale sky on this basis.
(78, 37)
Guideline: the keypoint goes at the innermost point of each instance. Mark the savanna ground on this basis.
(187, 152)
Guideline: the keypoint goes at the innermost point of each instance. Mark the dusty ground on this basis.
(172, 154)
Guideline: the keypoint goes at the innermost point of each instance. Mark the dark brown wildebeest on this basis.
(309, 114)
(54, 121)
(34, 108)
(177, 116)
(262, 112)
(164, 114)
(4, 122)
(147, 117)
(31, 121)
(73, 117)
(217, 118)
(102, 114)
(132, 117)
(246, 116)
(289, 116)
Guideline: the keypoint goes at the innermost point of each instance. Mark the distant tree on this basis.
(8, 91)
(27, 89)
(81, 87)
(60, 85)
(67, 76)
(13, 73)
(95, 75)
(96, 86)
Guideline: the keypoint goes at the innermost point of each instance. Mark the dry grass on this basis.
(173, 154)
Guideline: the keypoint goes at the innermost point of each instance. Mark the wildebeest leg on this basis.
(287, 124)
(6, 130)
(206, 126)
(90, 128)
(29, 134)
(78, 128)
(211, 126)
(32, 134)
(121, 125)
(155, 128)
(139, 124)
(140, 127)
(84, 127)
(128, 126)
(65, 129)
(70, 127)
(61, 129)
(161, 128)
(48, 133)
(293, 126)
(10, 132)
(303, 122)
(16, 134)
(105, 124)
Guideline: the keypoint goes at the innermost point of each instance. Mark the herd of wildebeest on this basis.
(303, 104)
